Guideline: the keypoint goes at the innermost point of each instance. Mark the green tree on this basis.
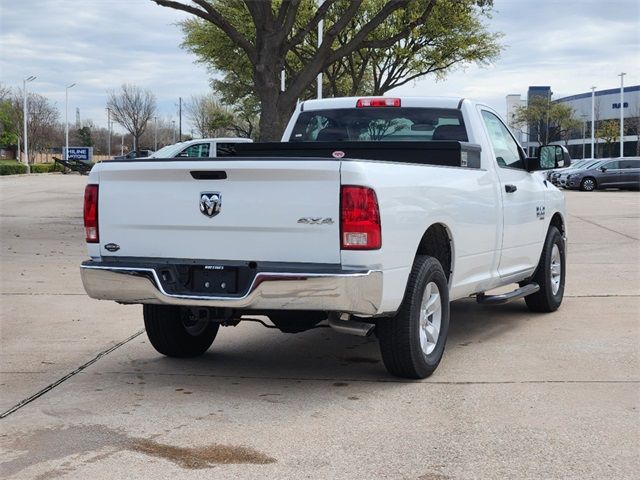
(85, 136)
(609, 131)
(553, 121)
(9, 130)
(251, 42)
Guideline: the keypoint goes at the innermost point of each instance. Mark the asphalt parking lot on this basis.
(518, 395)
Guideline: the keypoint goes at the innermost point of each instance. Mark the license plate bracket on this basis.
(214, 279)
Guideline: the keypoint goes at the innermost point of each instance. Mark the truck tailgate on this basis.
(152, 209)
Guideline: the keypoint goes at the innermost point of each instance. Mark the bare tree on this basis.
(42, 122)
(199, 112)
(132, 107)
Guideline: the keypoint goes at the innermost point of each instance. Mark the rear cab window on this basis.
(379, 124)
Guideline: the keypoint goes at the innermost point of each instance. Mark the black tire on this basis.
(173, 333)
(545, 300)
(588, 184)
(400, 336)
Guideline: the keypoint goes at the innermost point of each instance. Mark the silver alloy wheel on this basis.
(555, 269)
(588, 184)
(430, 318)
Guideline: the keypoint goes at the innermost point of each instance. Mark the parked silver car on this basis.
(611, 173)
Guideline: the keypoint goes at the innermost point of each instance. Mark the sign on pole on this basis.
(83, 154)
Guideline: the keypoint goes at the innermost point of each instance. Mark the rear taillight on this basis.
(91, 214)
(378, 102)
(359, 219)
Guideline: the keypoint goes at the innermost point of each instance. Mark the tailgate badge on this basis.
(338, 154)
(210, 203)
(112, 247)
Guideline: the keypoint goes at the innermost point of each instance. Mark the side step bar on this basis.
(508, 297)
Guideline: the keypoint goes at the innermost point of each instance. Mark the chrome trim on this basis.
(358, 291)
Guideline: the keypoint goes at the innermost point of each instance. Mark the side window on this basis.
(612, 165)
(625, 164)
(504, 146)
(198, 150)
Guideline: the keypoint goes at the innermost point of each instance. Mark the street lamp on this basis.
(109, 132)
(24, 117)
(621, 75)
(66, 120)
(155, 134)
(593, 121)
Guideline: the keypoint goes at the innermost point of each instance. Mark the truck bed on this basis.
(437, 153)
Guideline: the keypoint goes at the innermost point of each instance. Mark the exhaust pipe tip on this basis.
(342, 323)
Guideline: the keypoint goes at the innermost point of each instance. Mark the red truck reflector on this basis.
(378, 102)
(91, 214)
(359, 219)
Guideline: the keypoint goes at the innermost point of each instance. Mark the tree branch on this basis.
(313, 23)
(214, 16)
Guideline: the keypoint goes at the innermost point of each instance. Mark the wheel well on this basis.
(557, 222)
(436, 242)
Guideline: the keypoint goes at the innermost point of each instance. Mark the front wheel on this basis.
(412, 343)
(550, 275)
(175, 332)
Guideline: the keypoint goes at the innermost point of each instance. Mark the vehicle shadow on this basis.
(252, 352)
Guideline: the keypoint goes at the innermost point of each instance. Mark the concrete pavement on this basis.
(518, 395)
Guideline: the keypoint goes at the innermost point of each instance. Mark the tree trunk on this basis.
(275, 106)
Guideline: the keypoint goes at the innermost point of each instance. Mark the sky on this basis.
(570, 45)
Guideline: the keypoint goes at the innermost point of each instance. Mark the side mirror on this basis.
(603, 169)
(550, 157)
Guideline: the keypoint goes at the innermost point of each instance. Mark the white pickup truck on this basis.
(372, 214)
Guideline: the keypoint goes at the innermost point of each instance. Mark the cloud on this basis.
(100, 44)
(569, 45)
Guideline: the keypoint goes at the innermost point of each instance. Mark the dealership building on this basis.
(607, 107)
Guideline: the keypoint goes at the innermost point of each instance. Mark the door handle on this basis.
(510, 188)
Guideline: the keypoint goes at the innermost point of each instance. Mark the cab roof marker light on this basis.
(378, 102)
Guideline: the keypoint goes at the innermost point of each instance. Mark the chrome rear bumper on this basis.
(347, 291)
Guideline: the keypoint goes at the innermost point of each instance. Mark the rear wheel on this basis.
(588, 184)
(176, 332)
(412, 343)
(550, 275)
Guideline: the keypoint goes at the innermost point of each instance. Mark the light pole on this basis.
(593, 121)
(546, 136)
(155, 134)
(173, 129)
(584, 132)
(24, 117)
(66, 120)
(109, 132)
(319, 79)
(621, 75)
(180, 119)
